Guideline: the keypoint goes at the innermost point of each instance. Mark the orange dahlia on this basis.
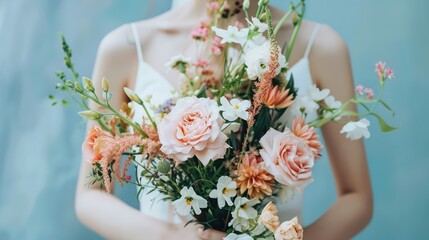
(308, 134)
(253, 178)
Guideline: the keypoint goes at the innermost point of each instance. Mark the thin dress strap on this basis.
(311, 40)
(137, 41)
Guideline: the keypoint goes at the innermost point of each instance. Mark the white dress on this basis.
(150, 82)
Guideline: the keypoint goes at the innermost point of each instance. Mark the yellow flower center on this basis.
(236, 107)
(225, 191)
(188, 201)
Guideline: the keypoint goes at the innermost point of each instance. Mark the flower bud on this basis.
(88, 84)
(294, 18)
(105, 84)
(164, 166)
(132, 95)
(78, 87)
(90, 115)
(246, 5)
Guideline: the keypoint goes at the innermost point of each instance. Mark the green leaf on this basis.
(383, 125)
(202, 92)
(387, 107)
(52, 97)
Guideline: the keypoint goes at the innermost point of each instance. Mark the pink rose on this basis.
(287, 157)
(289, 230)
(193, 128)
(94, 144)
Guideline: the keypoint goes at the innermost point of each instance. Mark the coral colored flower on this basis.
(277, 98)
(369, 93)
(193, 128)
(308, 134)
(287, 157)
(269, 217)
(200, 33)
(93, 144)
(289, 230)
(359, 89)
(189, 200)
(226, 189)
(253, 178)
(357, 130)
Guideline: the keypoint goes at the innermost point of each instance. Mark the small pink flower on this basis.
(238, 24)
(217, 47)
(193, 128)
(213, 6)
(201, 32)
(93, 145)
(389, 73)
(379, 69)
(201, 63)
(359, 89)
(369, 93)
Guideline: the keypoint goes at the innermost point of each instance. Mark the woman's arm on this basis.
(353, 208)
(96, 209)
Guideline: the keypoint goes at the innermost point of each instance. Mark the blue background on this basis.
(40, 145)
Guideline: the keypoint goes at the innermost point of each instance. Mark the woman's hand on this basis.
(210, 234)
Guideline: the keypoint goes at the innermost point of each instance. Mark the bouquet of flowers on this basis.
(219, 149)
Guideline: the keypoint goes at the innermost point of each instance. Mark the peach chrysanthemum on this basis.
(269, 217)
(308, 134)
(253, 178)
(277, 98)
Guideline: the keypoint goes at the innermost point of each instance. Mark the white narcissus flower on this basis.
(233, 236)
(232, 34)
(234, 109)
(332, 104)
(258, 58)
(257, 24)
(316, 94)
(242, 213)
(178, 61)
(357, 130)
(189, 200)
(226, 189)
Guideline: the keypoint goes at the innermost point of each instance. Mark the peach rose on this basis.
(289, 230)
(193, 128)
(287, 157)
(93, 144)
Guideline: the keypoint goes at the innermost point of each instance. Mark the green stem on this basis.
(295, 33)
(119, 115)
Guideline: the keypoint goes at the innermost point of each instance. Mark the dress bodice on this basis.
(150, 82)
